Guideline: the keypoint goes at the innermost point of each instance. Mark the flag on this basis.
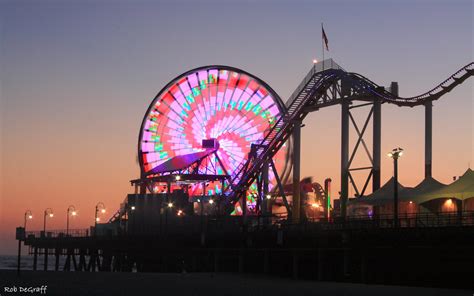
(325, 38)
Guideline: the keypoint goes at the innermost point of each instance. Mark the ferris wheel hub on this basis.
(210, 143)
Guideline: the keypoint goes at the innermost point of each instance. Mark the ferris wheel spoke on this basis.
(202, 85)
(237, 97)
(260, 121)
(191, 97)
(234, 126)
(218, 102)
(213, 75)
(223, 87)
(170, 118)
(180, 99)
(232, 86)
(233, 162)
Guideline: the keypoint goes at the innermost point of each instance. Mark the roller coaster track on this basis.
(322, 88)
(431, 95)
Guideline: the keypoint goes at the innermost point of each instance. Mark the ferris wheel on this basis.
(212, 102)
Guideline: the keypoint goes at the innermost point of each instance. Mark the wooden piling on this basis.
(45, 264)
(35, 258)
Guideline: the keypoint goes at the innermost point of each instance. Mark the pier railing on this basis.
(410, 220)
(255, 223)
(58, 233)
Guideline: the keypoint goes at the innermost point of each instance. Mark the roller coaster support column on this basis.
(296, 171)
(377, 139)
(428, 137)
(344, 157)
(265, 201)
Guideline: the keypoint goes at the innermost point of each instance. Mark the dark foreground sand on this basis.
(81, 283)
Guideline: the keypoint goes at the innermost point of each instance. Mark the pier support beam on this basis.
(376, 147)
(45, 259)
(56, 263)
(82, 260)
(19, 258)
(428, 137)
(265, 202)
(67, 263)
(35, 258)
(344, 157)
(296, 213)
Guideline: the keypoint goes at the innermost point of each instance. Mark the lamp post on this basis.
(212, 209)
(28, 216)
(48, 212)
(395, 154)
(99, 206)
(71, 211)
(132, 216)
(170, 208)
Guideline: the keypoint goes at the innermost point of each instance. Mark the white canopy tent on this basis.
(461, 189)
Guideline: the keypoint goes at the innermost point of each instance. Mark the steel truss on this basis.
(374, 114)
(197, 171)
(322, 88)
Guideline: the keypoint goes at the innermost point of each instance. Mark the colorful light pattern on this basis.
(218, 102)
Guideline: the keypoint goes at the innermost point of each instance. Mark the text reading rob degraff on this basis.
(27, 290)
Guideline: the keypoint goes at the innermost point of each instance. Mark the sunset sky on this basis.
(77, 77)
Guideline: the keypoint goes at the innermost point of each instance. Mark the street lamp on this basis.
(48, 212)
(170, 208)
(71, 211)
(28, 216)
(395, 154)
(131, 218)
(99, 206)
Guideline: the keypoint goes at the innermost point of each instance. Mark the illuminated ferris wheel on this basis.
(212, 102)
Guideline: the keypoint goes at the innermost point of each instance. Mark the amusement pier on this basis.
(220, 190)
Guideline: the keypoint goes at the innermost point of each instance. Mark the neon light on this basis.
(212, 102)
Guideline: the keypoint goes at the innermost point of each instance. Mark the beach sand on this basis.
(107, 283)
